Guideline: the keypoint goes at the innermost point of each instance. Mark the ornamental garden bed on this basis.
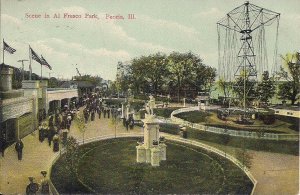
(110, 167)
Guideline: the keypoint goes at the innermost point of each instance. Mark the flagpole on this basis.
(3, 50)
(41, 72)
(30, 68)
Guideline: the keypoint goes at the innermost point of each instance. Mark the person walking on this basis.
(41, 132)
(104, 112)
(50, 135)
(2, 145)
(50, 122)
(127, 124)
(55, 143)
(32, 187)
(44, 184)
(108, 112)
(92, 115)
(19, 148)
(99, 112)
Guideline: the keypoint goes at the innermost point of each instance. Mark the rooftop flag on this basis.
(45, 63)
(7, 48)
(35, 56)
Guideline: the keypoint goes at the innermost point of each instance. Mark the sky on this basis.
(95, 45)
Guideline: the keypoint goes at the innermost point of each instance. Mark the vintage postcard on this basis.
(149, 97)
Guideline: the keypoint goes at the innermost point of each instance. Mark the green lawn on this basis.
(110, 167)
(194, 116)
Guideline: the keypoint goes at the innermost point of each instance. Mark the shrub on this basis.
(269, 119)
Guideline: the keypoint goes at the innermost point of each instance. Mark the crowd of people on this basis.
(56, 127)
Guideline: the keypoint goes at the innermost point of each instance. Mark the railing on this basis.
(58, 89)
(230, 132)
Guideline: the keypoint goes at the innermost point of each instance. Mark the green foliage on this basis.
(71, 155)
(194, 116)
(53, 82)
(161, 73)
(239, 86)
(287, 91)
(266, 88)
(95, 80)
(80, 124)
(169, 128)
(225, 86)
(290, 72)
(164, 112)
(245, 157)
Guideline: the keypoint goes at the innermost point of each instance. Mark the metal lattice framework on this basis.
(242, 45)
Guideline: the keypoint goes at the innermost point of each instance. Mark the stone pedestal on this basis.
(155, 156)
(5, 78)
(151, 151)
(163, 151)
(140, 154)
(148, 155)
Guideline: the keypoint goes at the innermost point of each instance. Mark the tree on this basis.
(79, 121)
(226, 87)
(290, 72)
(123, 77)
(95, 80)
(157, 71)
(161, 73)
(266, 88)
(244, 156)
(53, 82)
(204, 76)
(239, 87)
(180, 67)
(71, 155)
(188, 70)
(137, 74)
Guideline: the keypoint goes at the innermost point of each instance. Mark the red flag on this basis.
(45, 63)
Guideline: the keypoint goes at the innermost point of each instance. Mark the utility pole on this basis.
(49, 74)
(22, 68)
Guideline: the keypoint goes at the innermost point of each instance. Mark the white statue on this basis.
(151, 103)
(148, 110)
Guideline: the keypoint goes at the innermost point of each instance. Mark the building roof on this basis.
(80, 84)
(6, 65)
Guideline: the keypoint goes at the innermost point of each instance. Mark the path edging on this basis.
(167, 136)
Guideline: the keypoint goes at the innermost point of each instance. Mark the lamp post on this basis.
(22, 68)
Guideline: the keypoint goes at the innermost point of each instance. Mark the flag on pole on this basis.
(35, 56)
(7, 48)
(45, 63)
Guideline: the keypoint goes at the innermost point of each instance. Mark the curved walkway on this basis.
(275, 173)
